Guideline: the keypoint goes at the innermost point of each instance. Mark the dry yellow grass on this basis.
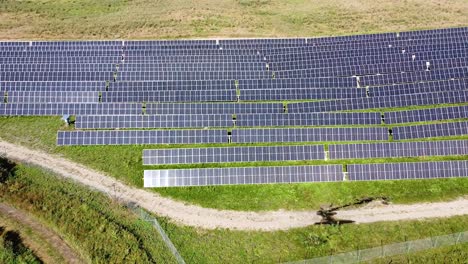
(144, 19)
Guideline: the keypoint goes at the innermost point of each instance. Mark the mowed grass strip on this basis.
(125, 163)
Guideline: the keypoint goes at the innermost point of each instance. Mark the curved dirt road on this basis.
(197, 216)
(52, 238)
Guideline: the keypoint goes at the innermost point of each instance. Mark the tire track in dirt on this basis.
(52, 238)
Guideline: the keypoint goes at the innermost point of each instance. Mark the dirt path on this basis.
(52, 238)
(211, 218)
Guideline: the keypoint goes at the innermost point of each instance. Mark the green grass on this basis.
(13, 251)
(106, 232)
(86, 19)
(223, 246)
(32, 239)
(125, 163)
(450, 254)
(99, 229)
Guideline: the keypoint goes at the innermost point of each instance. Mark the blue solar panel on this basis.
(424, 115)
(172, 85)
(398, 149)
(53, 97)
(147, 121)
(53, 86)
(297, 83)
(308, 134)
(212, 108)
(421, 87)
(430, 131)
(307, 119)
(56, 76)
(203, 75)
(300, 94)
(402, 171)
(232, 154)
(380, 102)
(58, 109)
(171, 96)
(131, 137)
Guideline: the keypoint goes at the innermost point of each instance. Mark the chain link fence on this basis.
(147, 217)
(407, 247)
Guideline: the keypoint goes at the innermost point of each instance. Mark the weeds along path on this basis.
(197, 216)
(52, 238)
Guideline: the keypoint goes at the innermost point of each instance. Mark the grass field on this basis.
(32, 240)
(125, 163)
(111, 19)
(103, 231)
(99, 229)
(12, 250)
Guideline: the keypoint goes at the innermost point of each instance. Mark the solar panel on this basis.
(212, 108)
(376, 59)
(247, 175)
(308, 134)
(148, 121)
(58, 109)
(202, 66)
(402, 171)
(53, 97)
(306, 70)
(132, 137)
(273, 84)
(192, 59)
(203, 75)
(430, 131)
(398, 149)
(300, 94)
(172, 85)
(307, 119)
(232, 154)
(381, 102)
(424, 115)
(421, 87)
(25, 60)
(384, 79)
(53, 86)
(56, 76)
(50, 67)
(171, 96)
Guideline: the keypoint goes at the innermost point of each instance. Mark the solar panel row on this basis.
(419, 87)
(225, 120)
(300, 174)
(232, 154)
(53, 97)
(424, 115)
(398, 149)
(172, 85)
(430, 131)
(249, 175)
(132, 137)
(402, 171)
(171, 96)
(58, 109)
(381, 102)
(147, 121)
(45, 86)
(213, 108)
(308, 134)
